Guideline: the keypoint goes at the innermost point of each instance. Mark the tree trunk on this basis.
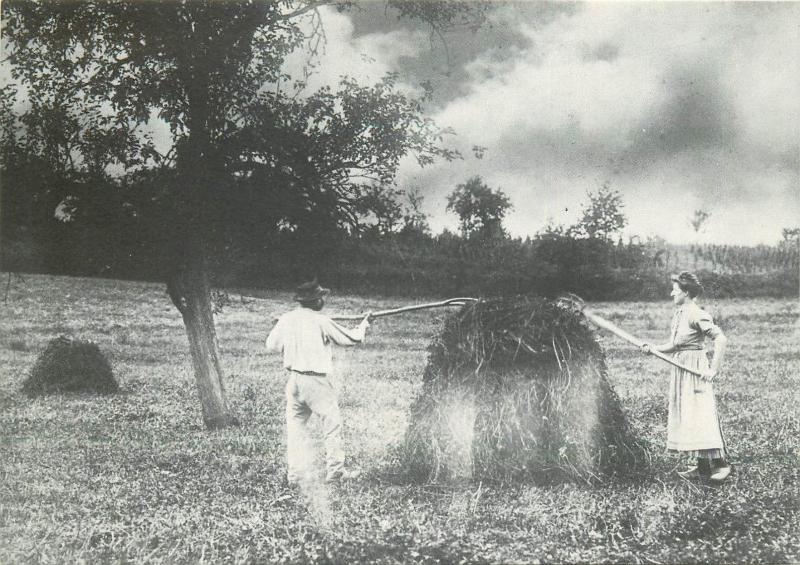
(188, 284)
(189, 290)
(196, 164)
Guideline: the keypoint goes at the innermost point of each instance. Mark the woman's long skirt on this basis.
(692, 424)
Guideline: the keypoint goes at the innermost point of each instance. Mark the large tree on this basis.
(209, 69)
(480, 209)
(602, 216)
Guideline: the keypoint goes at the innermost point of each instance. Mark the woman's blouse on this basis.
(690, 325)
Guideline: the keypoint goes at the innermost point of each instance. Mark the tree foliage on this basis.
(602, 216)
(90, 108)
(336, 151)
(480, 209)
(415, 221)
(379, 206)
(791, 237)
(699, 220)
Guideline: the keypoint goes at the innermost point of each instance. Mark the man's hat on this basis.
(310, 291)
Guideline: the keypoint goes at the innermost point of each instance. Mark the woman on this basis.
(692, 425)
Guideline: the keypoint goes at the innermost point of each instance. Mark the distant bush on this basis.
(68, 365)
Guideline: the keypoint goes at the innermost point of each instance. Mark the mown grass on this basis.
(135, 477)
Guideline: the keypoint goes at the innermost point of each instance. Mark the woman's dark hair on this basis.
(688, 283)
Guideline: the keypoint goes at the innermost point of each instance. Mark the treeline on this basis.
(409, 263)
(731, 259)
(449, 265)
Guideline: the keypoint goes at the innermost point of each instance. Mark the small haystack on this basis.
(515, 389)
(68, 365)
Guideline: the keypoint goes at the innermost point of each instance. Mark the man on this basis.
(305, 337)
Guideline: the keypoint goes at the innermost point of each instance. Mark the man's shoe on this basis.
(342, 475)
(690, 473)
(720, 474)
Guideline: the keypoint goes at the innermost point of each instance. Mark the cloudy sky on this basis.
(679, 106)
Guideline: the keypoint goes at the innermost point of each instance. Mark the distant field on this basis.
(135, 477)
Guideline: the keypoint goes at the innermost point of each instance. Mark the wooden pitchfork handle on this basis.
(606, 325)
(450, 302)
(578, 303)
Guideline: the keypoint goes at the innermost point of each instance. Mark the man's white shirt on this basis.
(306, 338)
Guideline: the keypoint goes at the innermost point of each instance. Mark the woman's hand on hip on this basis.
(708, 374)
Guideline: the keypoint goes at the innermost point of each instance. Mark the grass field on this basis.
(135, 477)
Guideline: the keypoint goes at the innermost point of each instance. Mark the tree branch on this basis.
(309, 8)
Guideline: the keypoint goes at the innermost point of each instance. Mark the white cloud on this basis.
(366, 58)
(677, 105)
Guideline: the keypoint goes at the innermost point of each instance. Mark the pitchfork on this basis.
(461, 301)
(577, 303)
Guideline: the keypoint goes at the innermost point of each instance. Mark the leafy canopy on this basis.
(98, 74)
(480, 209)
(602, 216)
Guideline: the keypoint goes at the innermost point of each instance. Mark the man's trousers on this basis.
(308, 394)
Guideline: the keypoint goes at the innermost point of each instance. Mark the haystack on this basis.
(68, 365)
(518, 389)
